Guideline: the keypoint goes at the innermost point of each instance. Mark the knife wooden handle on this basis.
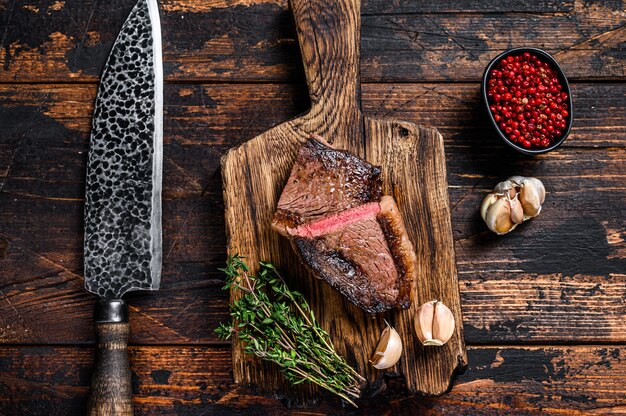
(111, 392)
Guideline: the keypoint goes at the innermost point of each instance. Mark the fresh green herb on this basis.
(276, 324)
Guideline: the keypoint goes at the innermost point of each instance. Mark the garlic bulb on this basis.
(434, 323)
(388, 350)
(512, 202)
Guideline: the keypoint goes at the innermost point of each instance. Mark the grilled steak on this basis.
(332, 210)
(325, 181)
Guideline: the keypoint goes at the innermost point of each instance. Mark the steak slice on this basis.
(325, 181)
(363, 252)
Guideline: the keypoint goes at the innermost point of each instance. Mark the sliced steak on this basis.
(363, 252)
(341, 227)
(325, 181)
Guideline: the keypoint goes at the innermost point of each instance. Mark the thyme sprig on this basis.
(277, 325)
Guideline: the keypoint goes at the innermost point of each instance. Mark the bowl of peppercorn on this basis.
(528, 100)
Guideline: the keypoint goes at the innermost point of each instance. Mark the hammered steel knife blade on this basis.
(123, 249)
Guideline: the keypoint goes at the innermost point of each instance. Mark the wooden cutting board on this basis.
(414, 172)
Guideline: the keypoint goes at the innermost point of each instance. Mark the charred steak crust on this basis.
(325, 181)
(401, 249)
(328, 264)
(344, 230)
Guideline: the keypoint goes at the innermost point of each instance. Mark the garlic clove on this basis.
(388, 350)
(434, 323)
(424, 321)
(532, 195)
(517, 212)
(498, 217)
(487, 202)
(443, 323)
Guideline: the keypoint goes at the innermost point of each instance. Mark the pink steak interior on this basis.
(335, 222)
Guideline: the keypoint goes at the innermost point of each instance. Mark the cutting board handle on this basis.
(329, 32)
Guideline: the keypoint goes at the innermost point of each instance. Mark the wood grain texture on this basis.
(460, 6)
(44, 140)
(110, 393)
(184, 380)
(254, 40)
(220, 116)
(413, 165)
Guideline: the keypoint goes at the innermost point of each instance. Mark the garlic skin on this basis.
(512, 202)
(503, 187)
(434, 323)
(516, 180)
(388, 350)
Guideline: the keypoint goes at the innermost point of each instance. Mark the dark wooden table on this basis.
(544, 307)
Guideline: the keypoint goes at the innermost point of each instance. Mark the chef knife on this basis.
(123, 198)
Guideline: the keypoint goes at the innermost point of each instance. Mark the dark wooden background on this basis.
(544, 307)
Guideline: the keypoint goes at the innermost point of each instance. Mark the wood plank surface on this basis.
(220, 116)
(460, 6)
(574, 380)
(43, 144)
(558, 279)
(254, 40)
